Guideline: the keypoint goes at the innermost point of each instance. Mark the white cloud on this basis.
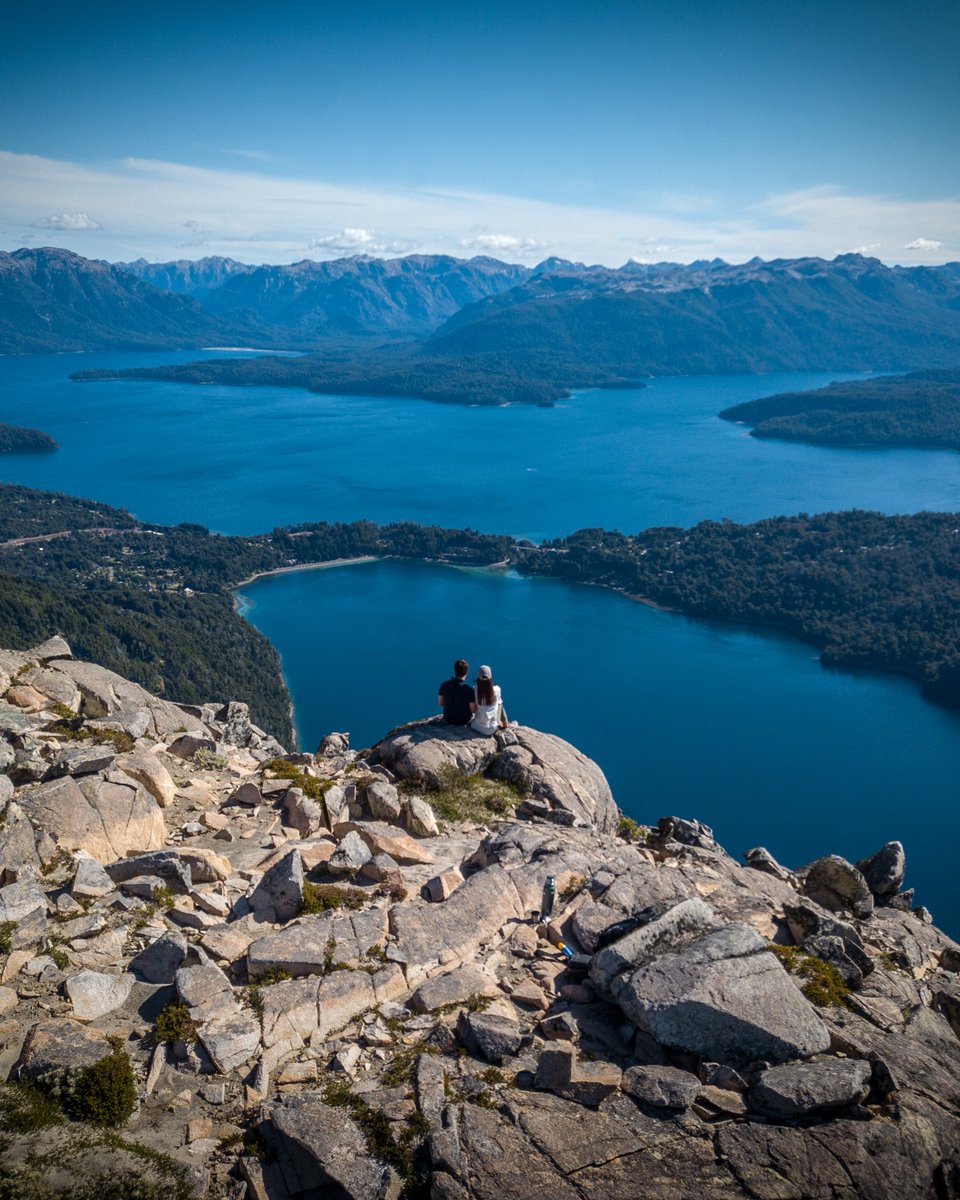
(256, 155)
(503, 243)
(151, 208)
(352, 240)
(866, 251)
(74, 222)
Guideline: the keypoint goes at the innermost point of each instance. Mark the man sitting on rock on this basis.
(456, 696)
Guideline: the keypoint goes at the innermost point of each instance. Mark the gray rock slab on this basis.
(90, 879)
(303, 814)
(473, 914)
(81, 760)
(280, 891)
(837, 884)
(350, 855)
(805, 1089)
(230, 1037)
(725, 998)
(344, 995)
(493, 1036)
(678, 924)
(150, 772)
(162, 864)
(383, 800)
(93, 994)
(161, 959)
(310, 945)
(18, 843)
(59, 1045)
(325, 1150)
(453, 987)
(419, 818)
(661, 1087)
(556, 774)
(106, 694)
(425, 750)
(884, 871)
(105, 817)
(17, 900)
(289, 1012)
(235, 719)
(187, 744)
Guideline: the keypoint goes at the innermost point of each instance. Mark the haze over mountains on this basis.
(483, 331)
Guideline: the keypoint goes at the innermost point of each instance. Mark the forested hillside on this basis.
(868, 590)
(919, 409)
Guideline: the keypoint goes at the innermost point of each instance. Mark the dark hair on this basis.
(485, 692)
(460, 668)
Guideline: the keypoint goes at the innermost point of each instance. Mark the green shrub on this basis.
(106, 1092)
(24, 1108)
(163, 896)
(59, 956)
(174, 1024)
(209, 760)
(326, 897)
(573, 888)
(631, 831)
(282, 768)
(7, 929)
(273, 975)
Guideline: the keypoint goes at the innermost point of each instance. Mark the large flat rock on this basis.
(472, 915)
(312, 945)
(724, 997)
(106, 817)
(325, 1153)
(558, 780)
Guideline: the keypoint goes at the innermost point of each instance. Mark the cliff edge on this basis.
(229, 971)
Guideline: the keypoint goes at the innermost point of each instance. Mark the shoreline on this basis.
(315, 566)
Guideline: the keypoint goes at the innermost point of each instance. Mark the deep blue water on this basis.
(243, 460)
(742, 729)
(745, 731)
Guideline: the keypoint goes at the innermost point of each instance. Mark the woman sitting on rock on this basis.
(490, 715)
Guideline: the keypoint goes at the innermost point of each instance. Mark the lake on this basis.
(244, 460)
(743, 730)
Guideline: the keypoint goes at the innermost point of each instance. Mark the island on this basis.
(921, 409)
(14, 439)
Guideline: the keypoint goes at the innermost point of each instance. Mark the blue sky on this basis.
(597, 132)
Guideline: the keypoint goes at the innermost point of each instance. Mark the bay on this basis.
(743, 730)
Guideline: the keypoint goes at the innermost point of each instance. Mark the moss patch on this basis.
(823, 984)
(457, 796)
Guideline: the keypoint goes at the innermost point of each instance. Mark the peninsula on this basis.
(921, 409)
(14, 439)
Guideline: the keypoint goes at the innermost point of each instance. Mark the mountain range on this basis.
(483, 331)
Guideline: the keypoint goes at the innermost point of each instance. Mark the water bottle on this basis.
(549, 895)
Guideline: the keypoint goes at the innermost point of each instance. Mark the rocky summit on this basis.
(231, 971)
